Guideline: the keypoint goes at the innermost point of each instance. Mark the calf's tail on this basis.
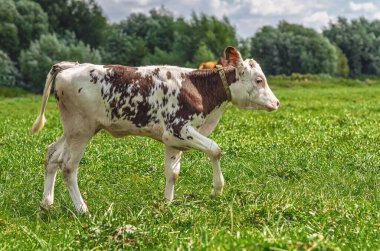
(57, 68)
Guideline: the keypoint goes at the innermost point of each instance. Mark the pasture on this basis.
(304, 177)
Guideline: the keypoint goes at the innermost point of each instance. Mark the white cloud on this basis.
(376, 15)
(276, 7)
(367, 7)
(317, 20)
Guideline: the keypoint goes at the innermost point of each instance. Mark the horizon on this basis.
(247, 16)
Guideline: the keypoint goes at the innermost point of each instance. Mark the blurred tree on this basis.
(203, 54)
(8, 71)
(9, 40)
(342, 69)
(36, 62)
(32, 21)
(137, 24)
(157, 30)
(183, 43)
(293, 48)
(161, 57)
(215, 34)
(244, 47)
(179, 54)
(119, 48)
(176, 41)
(161, 31)
(21, 21)
(84, 18)
(359, 40)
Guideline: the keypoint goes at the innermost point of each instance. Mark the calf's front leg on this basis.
(196, 140)
(172, 167)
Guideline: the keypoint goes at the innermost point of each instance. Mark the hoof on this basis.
(168, 200)
(169, 196)
(46, 204)
(46, 207)
(216, 192)
(83, 210)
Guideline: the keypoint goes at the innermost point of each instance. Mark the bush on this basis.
(293, 48)
(11, 92)
(8, 71)
(342, 69)
(359, 41)
(36, 62)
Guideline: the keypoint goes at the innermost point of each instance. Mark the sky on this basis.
(248, 16)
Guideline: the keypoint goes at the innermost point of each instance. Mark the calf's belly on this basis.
(125, 128)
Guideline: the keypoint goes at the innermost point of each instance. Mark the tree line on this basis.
(36, 34)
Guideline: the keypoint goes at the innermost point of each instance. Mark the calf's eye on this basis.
(259, 81)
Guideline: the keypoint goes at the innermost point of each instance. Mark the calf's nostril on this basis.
(278, 103)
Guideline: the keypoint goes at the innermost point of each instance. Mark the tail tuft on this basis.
(57, 68)
(39, 123)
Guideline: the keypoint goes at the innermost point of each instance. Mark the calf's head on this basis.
(251, 90)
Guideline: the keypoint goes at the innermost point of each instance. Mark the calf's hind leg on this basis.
(73, 152)
(53, 153)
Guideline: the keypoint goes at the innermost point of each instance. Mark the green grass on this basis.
(304, 177)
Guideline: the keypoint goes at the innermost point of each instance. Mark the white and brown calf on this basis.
(178, 106)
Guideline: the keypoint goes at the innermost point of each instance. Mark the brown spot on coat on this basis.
(56, 95)
(164, 88)
(168, 75)
(93, 77)
(252, 63)
(202, 91)
(156, 72)
(128, 83)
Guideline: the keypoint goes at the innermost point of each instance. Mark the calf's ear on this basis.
(233, 57)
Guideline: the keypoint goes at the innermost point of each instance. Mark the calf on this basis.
(179, 107)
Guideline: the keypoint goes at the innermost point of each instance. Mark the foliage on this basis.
(293, 48)
(342, 68)
(84, 18)
(203, 54)
(119, 48)
(11, 92)
(358, 40)
(32, 22)
(36, 62)
(303, 177)
(22, 21)
(8, 71)
(244, 48)
(215, 34)
(9, 40)
(160, 32)
(175, 41)
(7, 67)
